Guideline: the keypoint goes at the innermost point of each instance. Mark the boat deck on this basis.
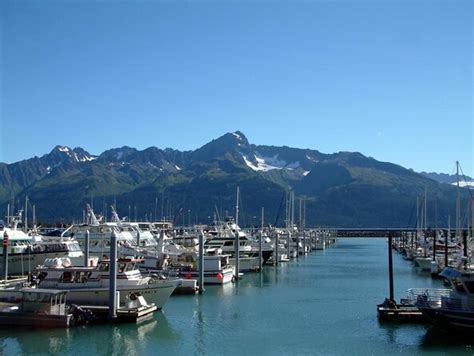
(129, 315)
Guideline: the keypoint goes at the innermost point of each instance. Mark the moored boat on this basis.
(90, 285)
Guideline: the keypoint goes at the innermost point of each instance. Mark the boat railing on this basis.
(441, 299)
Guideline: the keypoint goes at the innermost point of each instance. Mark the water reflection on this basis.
(107, 339)
(39, 341)
(436, 337)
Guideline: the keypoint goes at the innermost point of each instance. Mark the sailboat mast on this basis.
(458, 203)
(237, 208)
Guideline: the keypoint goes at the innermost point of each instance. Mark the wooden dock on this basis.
(126, 315)
(399, 313)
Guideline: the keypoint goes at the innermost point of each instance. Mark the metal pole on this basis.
(275, 254)
(138, 238)
(304, 242)
(288, 244)
(434, 246)
(390, 266)
(201, 262)
(260, 254)
(297, 244)
(113, 276)
(464, 242)
(26, 214)
(5, 256)
(86, 249)
(446, 240)
(237, 255)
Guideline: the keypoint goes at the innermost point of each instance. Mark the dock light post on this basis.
(5, 255)
(113, 276)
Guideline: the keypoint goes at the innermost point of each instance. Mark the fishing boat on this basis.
(451, 308)
(90, 285)
(223, 237)
(27, 250)
(43, 308)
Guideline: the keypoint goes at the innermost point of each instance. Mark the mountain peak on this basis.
(239, 136)
(59, 148)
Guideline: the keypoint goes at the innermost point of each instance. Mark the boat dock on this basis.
(100, 313)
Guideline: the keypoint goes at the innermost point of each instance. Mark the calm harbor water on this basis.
(321, 304)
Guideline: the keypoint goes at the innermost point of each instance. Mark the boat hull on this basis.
(157, 293)
(460, 320)
(34, 320)
(211, 277)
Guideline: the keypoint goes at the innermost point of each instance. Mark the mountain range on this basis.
(344, 189)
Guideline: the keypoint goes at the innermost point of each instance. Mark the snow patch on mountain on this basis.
(465, 184)
(237, 136)
(266, 164)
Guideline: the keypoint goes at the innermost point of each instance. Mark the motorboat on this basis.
(451, 308)
(90, 285)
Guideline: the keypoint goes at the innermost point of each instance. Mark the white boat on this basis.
(90, 285)
(26, 251)
(39, 308)
(223, 237)
(217, 269)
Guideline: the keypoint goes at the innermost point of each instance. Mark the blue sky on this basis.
(390, 79)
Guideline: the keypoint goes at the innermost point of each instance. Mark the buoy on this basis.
(219, 276)
(188, 275)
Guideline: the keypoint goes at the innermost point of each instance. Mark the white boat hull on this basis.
(157, 293)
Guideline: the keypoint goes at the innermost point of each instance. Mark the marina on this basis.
(321, 303)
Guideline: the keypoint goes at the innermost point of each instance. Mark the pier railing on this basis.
(440, 299)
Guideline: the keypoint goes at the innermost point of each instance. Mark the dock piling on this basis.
(113, 276)
(390, 267)
(260, 254)
(5, 256)
(201, 262)
(237, 254)
(86, 249)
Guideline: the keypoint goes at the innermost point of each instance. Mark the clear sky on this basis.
(390, 79)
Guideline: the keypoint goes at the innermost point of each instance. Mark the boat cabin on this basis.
(44, 301)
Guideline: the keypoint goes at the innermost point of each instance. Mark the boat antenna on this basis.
(90, 212)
